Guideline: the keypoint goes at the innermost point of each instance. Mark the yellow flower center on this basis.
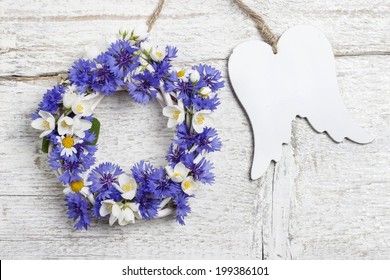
(64, 124)
(200, 119)
(110, 208)
(46, 125)
(159, 54)
(127, 187)
(181, 73)
(176, 114)
(176, 174)
(68, 142)
(76, 186)
(79, 108)
(187, 185)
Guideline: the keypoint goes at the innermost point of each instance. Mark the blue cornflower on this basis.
(186, 91)
(148, 205)
(141, 172)
(122, 59)
(72, 169)
(209, 103)
(103, 178)
(210, 76)
(77, 163)
(185, 138)
(81, 74)
(71, 172)
(161, 186)
(208, 140)
(200, 170)
(103, 80)
(51, 99)
(182, 207)
(78, 209)
(170, 81)
(171, 52)
(143, 87)
(89, 137)
(174, 154)
(161, 69)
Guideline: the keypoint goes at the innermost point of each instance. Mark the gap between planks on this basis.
(49, 75)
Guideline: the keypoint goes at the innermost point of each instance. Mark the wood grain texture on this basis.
(321, 201)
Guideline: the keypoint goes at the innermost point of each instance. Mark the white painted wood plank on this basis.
(322, 200)
(46, 37)
(33, 214)
(329, 201)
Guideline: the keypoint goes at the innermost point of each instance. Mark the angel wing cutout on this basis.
(299, 80)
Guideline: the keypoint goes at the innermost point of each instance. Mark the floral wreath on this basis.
(70, 132)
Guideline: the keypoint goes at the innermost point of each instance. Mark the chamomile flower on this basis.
(189, 185)
(67, 144)
(179, 173)
(79, 186)
(46, 122)
(182, 74)
(200, 120)
(175, 114)
(158, 54)
(127, 186)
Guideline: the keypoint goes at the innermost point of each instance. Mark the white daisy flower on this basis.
(200, 120)
(46, 122)
(182, 74)
(80, 186)
(158, 53)
(67, 144)
(179, 173)
(189, 185)
(175, 114)
(127, 186)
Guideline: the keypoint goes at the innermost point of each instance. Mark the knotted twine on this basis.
(263, 28)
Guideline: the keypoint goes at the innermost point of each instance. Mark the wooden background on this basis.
(321, 201)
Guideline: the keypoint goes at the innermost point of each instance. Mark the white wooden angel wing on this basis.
(316, 92)
(252, 71)
(299, 80)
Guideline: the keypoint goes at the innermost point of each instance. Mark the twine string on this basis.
(265, 31)
(153, 17)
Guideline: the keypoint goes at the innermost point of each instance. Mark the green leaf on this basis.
(95, 129)
(45, 144)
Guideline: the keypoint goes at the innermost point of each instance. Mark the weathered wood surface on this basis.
(321, 201)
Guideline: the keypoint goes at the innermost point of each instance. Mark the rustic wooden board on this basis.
(322, 201)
